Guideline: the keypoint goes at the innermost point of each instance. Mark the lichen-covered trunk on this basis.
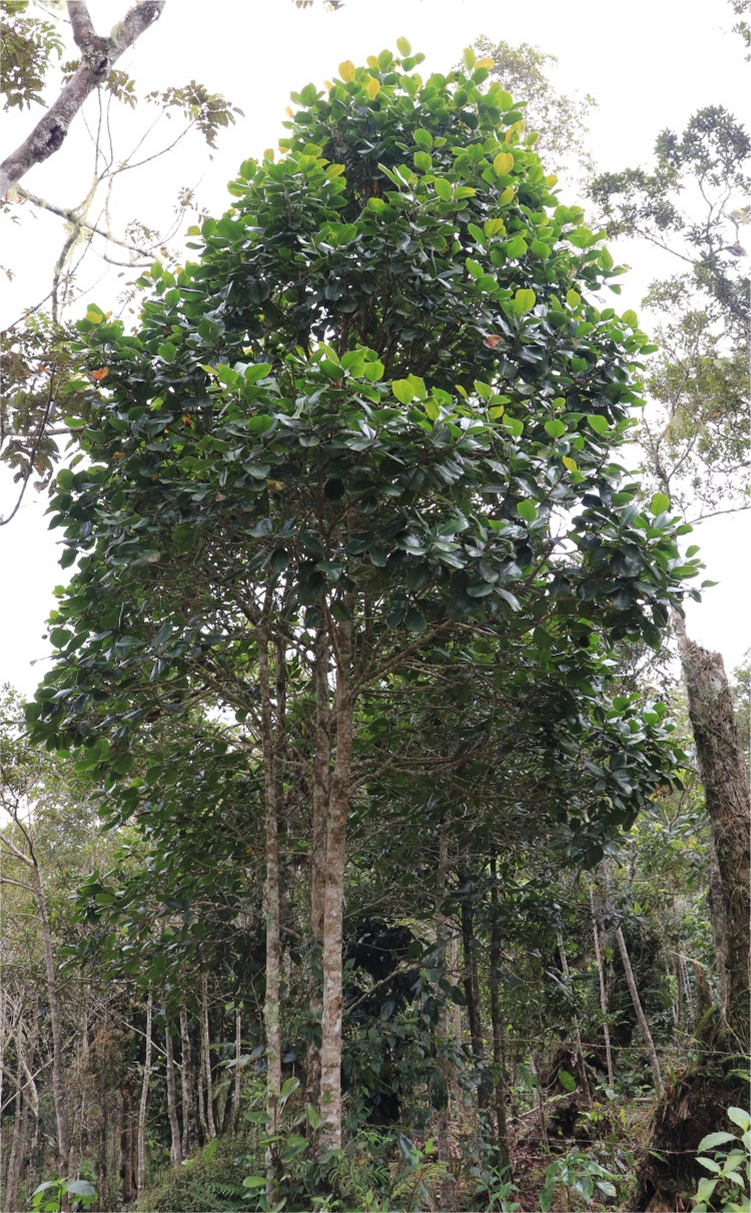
(726, 789)
(330, 1132)
(443, 1027)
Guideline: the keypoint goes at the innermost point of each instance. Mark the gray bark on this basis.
(186, 1084)
(98, 54)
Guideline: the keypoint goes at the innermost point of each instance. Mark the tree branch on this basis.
(97, 57)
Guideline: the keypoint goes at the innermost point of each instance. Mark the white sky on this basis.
(649, 64)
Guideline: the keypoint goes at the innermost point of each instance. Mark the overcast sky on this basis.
(649, 64)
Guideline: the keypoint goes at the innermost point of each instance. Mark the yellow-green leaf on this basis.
(347, 70)
(507, 195)
(573, 298)
(570, 463)
(94, 317)
(503, 164)
(524, 301)
(372, 88)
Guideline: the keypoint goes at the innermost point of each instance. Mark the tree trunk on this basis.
(330, 1133)
(143, 1105)
(443, 1120)
(648, 1042)
(603, 991)
(18, 1139)
(472, 996)
(499, 1060)
(272, 909)
(186, 1083)
(176, 1154)
(238, 1057)
(320, 797)
(726, 790)
(58, 1089)
(580, 1062)
(206, 1057)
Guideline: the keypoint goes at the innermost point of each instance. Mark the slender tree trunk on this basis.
(717, 916)
(272, 909)
(143, 1105)
(499, 1060)
(330, 1134)
(58, 1087)
(580, 1062)
(18, 1137)
(633, 991)
(443, 1138)
(176, 1154)
(186, 1082)
(726, 789)
(320, 797)
(603, 991)
(206, 1057)
(472, 996)
(539, 1100)
(238, 1056)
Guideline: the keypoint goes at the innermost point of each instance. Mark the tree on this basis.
(376, 421)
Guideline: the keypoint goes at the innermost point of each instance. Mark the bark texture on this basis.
(98, 54)
(726, 789)
(176, 1154)
(641, 1018)
(143, 1105)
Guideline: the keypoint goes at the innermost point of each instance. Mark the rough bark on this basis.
(472, 996)
(636, 1000)
(98, 54)
(176, 1154)
(143, 1105)
(330, 1133)
(726, 789)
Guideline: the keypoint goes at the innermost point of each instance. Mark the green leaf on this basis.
(659, 504)
(739, 1116)
(260, 424)
(443, 189)
(423, 161)
(253, 1181)
(712, 1140)
(556, 428)
(403, 390)
(167, 351)
(373, 370)
(524, 301)
(516, 247)
(415, 620)
(527, 510)
(631, 319)
(210, 1149)
(474, 268)
(598, 423)
(567, 1081)
(404, 46)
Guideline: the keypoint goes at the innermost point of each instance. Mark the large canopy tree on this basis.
(375, 421)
